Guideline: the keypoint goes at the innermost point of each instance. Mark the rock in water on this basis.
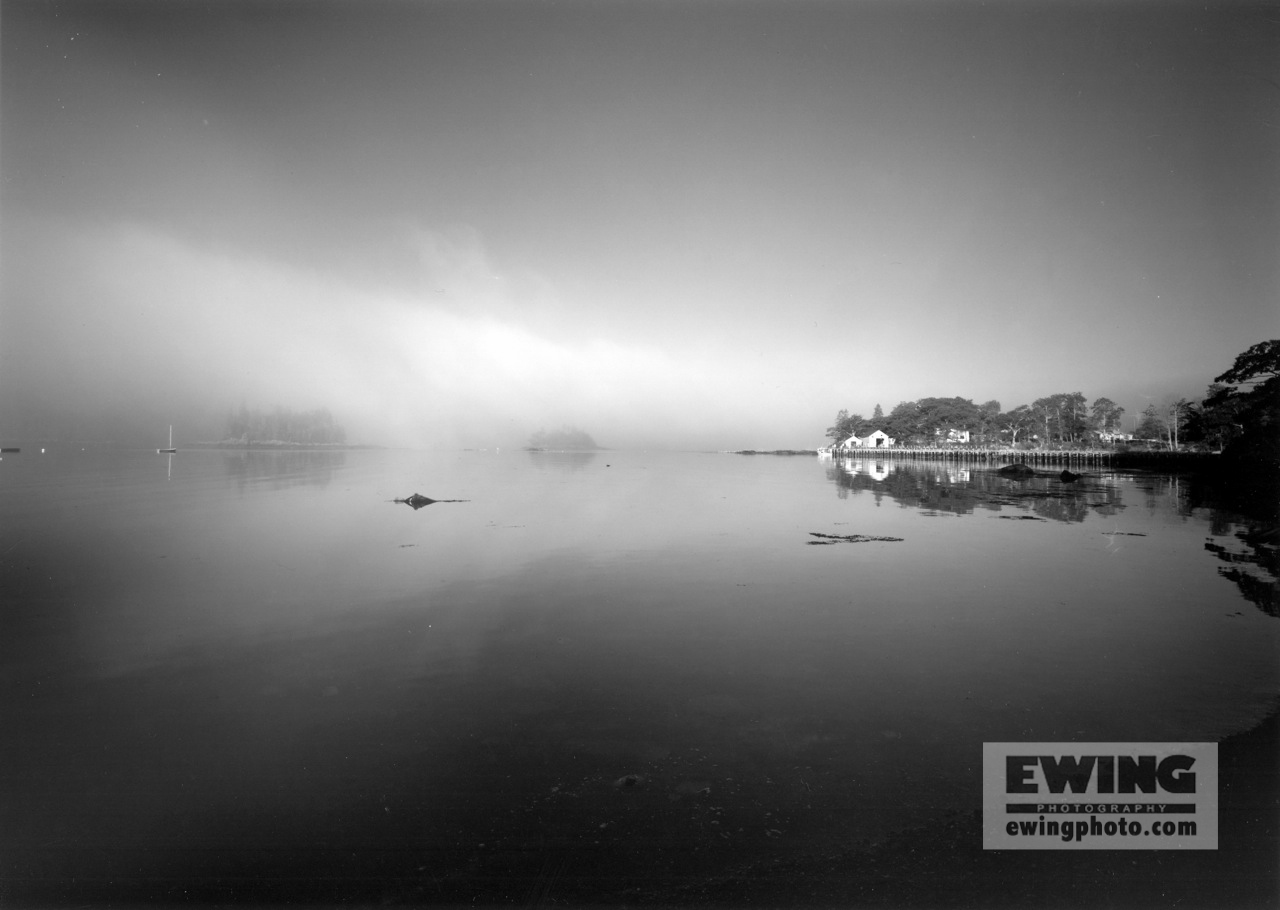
(1017, 470)
(417, 501)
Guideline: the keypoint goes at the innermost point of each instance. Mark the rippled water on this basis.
(227, 668)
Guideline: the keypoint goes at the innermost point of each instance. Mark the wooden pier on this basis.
(1098, 457)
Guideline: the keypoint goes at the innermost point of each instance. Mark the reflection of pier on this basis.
(938, 487)
(1027, 456)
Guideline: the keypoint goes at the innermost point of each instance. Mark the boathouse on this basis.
(877, 440)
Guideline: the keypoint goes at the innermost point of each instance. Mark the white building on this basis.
(877, 440)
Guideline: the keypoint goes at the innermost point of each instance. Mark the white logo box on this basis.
(1100, 796)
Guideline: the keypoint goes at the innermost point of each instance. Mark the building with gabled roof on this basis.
(878, 439)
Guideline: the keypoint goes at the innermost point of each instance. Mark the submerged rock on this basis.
(1068, 477)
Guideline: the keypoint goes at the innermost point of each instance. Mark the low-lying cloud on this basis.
(126, 320)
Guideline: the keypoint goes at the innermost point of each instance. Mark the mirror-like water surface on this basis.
(237, 667)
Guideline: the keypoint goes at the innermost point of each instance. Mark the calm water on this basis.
(227, 668)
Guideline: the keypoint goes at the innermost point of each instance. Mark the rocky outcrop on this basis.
(417, 501)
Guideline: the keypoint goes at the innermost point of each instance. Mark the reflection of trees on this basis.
(949, 488)
(561, 461)
(1061, 508)
(282, 469)
(931, 488)
(1253, 565)
(1245, 520)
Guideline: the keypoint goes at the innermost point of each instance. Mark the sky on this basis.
(704, 225)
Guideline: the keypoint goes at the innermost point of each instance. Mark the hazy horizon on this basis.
(674, 225)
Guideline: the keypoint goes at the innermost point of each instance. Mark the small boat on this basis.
(171, 449)
(12, 451)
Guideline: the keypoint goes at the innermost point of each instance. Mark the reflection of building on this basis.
(877, 440)
(937, 487)
(876, 470)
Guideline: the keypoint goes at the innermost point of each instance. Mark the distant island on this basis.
(565, 438)
(282, 428)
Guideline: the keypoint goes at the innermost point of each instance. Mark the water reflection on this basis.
(561, 461)
(1245, 533)
(278, 470)
(321, 687)
(1242, 518)
(955, 489)
(1253, 564)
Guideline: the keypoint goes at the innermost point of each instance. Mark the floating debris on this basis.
(850, 538)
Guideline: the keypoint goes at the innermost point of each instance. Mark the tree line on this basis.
(1241, 409)
(284, 425)
(1065, 418)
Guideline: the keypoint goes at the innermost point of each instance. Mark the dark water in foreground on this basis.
(250, 676)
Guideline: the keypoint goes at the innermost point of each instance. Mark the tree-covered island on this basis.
(282, 427)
